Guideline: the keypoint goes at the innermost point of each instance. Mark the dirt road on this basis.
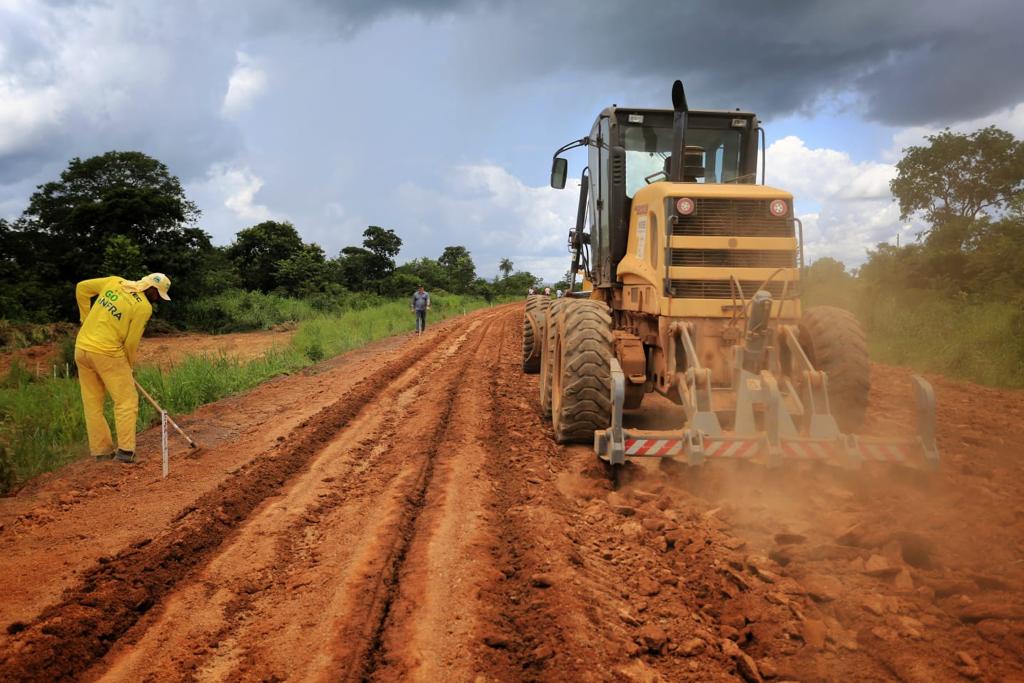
(401, 513)
(163, 350)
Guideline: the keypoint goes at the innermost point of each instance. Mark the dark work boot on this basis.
(105, 456)
(127, 457)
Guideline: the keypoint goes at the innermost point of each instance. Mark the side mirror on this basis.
(559, 170)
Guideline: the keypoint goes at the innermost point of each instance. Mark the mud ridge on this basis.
(72, 634)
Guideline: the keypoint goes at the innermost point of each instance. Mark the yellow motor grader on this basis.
(692, 290)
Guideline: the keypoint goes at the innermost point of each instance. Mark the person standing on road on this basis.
(420, 306)
(105, 352)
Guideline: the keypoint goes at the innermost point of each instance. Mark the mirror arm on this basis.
(582, 142)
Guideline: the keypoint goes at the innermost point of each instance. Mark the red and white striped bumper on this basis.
(696, 448)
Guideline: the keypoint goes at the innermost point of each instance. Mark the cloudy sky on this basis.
(437, 118)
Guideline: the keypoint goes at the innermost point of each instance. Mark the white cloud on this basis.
(247, 82)
(236, 188)
(1010, 119)
(26, 113)
(845, 206)
(495, 215)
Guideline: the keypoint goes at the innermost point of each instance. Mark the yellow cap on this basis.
(158, 280)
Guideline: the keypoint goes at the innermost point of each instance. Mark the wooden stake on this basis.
(163, 441)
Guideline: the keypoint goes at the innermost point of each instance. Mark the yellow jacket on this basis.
(113, 326)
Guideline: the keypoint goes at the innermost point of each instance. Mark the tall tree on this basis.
(368, 267)
(960, 175)
(69, 224)
(304, 273)
(505, 266)
(385, 245)
(458, 268)
(256, 252)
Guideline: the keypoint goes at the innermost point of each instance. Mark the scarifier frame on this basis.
(815, 436)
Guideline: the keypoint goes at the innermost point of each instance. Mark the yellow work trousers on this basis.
(97, 374)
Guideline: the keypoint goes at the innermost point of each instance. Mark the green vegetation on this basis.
(954, 334)
(41, 421)
(124, 213)
(953, 302)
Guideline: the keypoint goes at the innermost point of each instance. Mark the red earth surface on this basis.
(402, 513)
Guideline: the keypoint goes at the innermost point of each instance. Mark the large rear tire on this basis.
(548, 346)
(533, 331)
(835, 344)
(581, 376)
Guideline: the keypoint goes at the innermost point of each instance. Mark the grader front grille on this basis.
(733, 218)
(720, 289)
(734, 258)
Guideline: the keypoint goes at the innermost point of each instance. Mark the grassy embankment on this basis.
(41, 421)
(959, 337)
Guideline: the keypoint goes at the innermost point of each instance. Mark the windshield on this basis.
(647, 148)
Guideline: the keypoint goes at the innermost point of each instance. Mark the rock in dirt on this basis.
(652, 638)
(822, 588)
(692, 647)
(643, 496)
(993, 631)
(789, 539)
(645, 585)
(903, 581)
(615, 498)
(967, 665)
(747, 668)
(767, 668)
(973, 612)
(879, 566)
(730, 649)
(653, 524)
(542, 653)
(813, 631)
(638, 671)
(496, 641)
(873, 603)
(542, 581)
(628, 618)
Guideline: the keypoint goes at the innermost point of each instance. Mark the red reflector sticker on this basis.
(685, 206)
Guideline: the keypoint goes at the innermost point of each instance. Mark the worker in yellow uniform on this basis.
(105, 352)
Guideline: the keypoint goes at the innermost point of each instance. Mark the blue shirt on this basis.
(420, 301)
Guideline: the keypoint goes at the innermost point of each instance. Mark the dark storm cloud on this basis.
(909, 63)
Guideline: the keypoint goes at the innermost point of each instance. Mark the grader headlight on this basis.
(778, 208)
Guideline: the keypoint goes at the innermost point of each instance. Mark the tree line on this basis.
(124, 213)
(969, 191)
(951, 301)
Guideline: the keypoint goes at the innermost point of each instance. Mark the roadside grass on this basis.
(42, 426)
(959, 336)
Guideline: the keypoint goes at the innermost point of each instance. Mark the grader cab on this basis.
(693, 291)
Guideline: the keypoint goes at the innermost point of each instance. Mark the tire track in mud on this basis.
(432, 623)
(368, 658)
(70, 635)
(290, 594)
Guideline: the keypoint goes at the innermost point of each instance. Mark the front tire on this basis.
(581, 399)
(836, 344)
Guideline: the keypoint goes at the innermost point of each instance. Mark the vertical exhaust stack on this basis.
(676, 170)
